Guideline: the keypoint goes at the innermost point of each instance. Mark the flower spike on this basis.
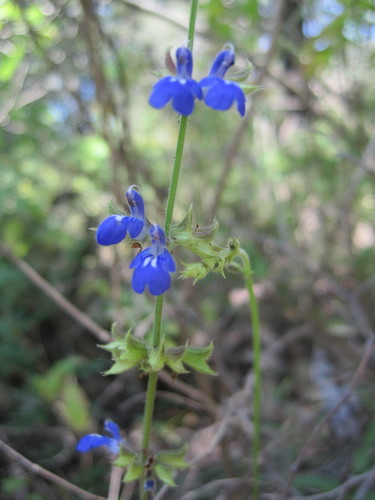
(153, 265)
(114, 228)
(220, 94)
(91, 441)
(182, 90)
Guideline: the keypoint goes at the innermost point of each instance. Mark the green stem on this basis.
(149, 411)
(255, 324)
(193, 17)
(175, 174)
(156, 336)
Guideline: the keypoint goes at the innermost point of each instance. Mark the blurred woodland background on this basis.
(293, 180)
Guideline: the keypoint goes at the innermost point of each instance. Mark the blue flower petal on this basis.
(182, 92)
(136, 203)
(184, 60)
(113, 429)
(209, 81)
(112, 230)
(93, 441)
(183, 101)
(219, 97)
(157, 279)
(241, 101)
(222, 62)
(166, 261)
(195, 88)
(139, 280)
(140, 258)
(153, 265)
(135, 226)
(162, 92)
(221, 94)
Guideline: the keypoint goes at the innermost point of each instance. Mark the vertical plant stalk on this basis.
(255, 325)
(156, 335)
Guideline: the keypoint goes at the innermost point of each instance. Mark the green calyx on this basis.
(164, 464)
(199, 240)
(167, 461)
(193, 357)
(129, 351)
(112, 209)
(242, 74)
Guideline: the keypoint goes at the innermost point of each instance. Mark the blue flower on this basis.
(113, 443)
(153, 265)
(181, 89)
(220, 94)
(149, 485)
(114, 228)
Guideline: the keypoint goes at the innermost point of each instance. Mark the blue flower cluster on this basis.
(182, 90)
(153, 265)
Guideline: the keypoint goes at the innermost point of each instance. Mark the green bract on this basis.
(198, 239)
(129, 351)
(164, 464)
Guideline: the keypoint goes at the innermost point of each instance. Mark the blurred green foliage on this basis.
(297, 190)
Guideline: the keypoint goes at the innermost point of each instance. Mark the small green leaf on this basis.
(241, 75)
(176, 365)
(116, 333)
(136, 349)
(174, 458)
(196, 270)
(186, 222)
(165, 474)
(133, 472)
(250, 89)
(127, 351)
(113, 210)
(173, 358)
(156, 358)
(75, 405)
(120, 367)
(50, 384)
(175, 352)
(196, 357)
(125, 458)
(112, 346)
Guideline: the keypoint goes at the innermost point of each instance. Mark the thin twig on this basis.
(229, 481)
(81, 318)
(192, 392)
(46, 474)
(115, 482)
(158, 10)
